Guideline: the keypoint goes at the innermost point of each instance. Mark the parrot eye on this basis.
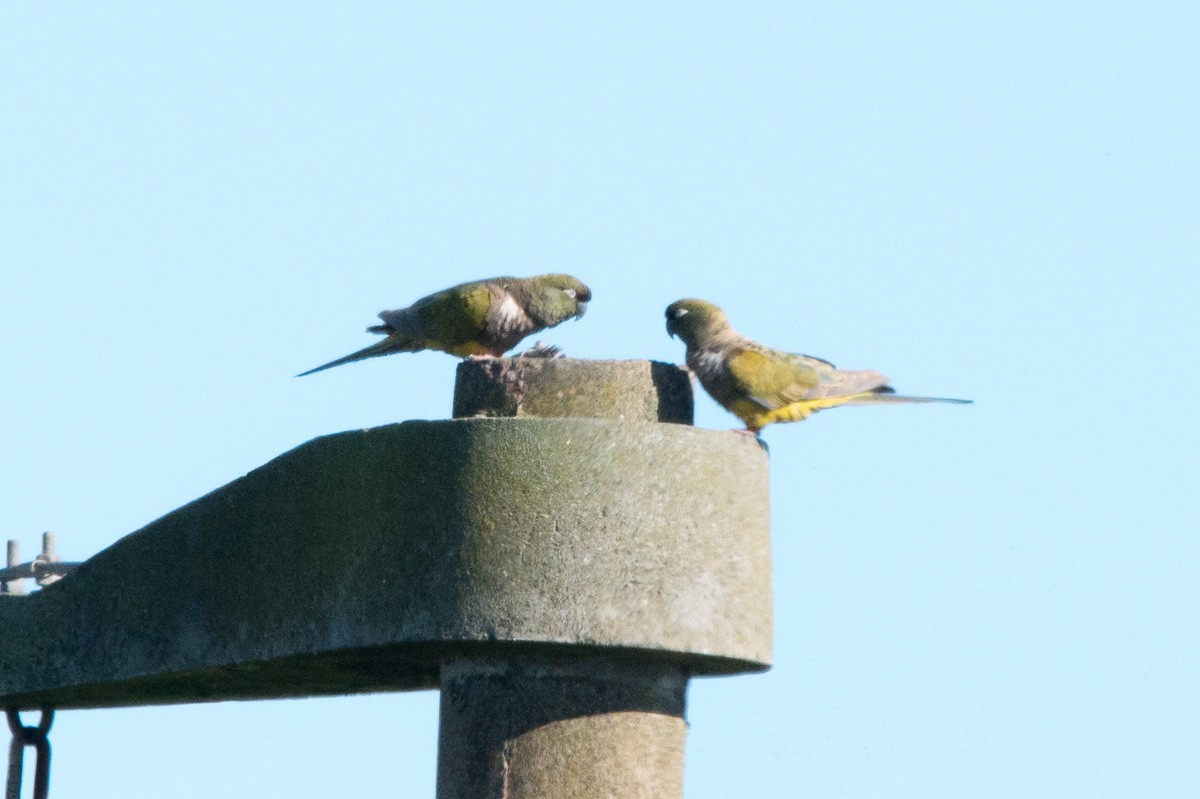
(680, 312)
(569, 292)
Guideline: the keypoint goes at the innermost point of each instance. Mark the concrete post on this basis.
(589, 727)
(578, 726)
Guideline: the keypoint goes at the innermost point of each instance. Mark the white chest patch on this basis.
(509, 316)
(708, 363)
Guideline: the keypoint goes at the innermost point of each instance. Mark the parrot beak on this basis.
(580, 308)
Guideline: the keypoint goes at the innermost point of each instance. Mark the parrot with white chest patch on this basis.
(481, 318)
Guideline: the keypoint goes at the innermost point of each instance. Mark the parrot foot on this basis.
(542, 350)
(752, 434)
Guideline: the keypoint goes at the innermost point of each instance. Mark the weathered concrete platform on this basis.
(363, 561)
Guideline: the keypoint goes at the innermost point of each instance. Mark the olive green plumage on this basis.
(484, 317)
(761, 385)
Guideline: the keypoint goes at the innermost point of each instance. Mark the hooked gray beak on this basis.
(580, 309)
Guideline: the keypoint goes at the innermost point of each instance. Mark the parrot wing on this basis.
(774, 379)
(443, 320)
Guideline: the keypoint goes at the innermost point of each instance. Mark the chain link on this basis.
(38, 738)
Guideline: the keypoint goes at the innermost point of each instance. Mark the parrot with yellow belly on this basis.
(761, 385)
(481, 318)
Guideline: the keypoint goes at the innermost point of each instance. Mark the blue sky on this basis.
(994, 201)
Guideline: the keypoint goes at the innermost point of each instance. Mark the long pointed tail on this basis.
(388, 345)
(883, 397)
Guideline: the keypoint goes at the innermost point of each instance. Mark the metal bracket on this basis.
(46, 568)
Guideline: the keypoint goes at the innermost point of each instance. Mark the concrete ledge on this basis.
(361, 561)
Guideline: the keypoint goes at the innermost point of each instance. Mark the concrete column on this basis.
(566, 724)
(590, 728)
(544, 388)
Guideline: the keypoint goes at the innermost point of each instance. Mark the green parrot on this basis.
(481, 318)
(760, 385)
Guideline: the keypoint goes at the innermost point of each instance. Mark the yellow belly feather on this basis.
(756, 417)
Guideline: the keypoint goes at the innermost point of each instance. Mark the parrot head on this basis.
(557, 298)
(695, 321)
